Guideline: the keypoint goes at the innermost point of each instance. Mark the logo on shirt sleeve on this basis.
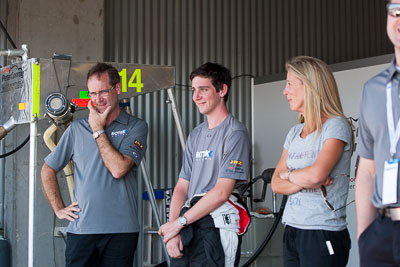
(235, 166)
(235, 162)
(137, 144)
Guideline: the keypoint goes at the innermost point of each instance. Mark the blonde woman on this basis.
(314, 168)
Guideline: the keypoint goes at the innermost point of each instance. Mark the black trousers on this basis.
(101, 250)
(309, 248)
(379, 244)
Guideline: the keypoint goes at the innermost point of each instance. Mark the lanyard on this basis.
(394, 135)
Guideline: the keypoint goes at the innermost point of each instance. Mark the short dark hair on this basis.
(218, 74)
(100, 68)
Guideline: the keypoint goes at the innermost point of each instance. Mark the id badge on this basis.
(389, 191)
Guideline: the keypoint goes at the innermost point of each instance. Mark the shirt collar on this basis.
(392, 70)
(123, 117)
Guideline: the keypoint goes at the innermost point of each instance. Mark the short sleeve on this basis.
(365, 140)
(235, 162)
(63, 152)
(339, 128)
(134, 144)
(186, 170)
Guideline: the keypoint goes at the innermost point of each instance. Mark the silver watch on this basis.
(289, 172)
(96, 134)
(182, 220)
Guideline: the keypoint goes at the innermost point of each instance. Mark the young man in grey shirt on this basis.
(106, 148)
(205, 220)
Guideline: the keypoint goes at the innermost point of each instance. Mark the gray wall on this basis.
(47, 26)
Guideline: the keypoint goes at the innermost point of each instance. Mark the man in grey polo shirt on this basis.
(106, 148)
(204, 230)
(377, 183)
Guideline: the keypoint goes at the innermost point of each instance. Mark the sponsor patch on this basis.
(138, 144)
(227, 218)
(235, 166)
(235, 162)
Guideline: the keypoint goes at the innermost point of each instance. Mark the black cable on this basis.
(270, 234)
(7, 35)
(16, 149)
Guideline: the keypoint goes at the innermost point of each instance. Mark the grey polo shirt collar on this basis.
(122, 118)
(392, 71)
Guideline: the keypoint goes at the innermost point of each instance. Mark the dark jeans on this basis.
(308, 248)
(103, 250)
(379, 244)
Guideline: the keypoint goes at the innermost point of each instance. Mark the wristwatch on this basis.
(288, 173)
(182, 220)
(96, 134)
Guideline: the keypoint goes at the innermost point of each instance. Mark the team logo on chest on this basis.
(119, 133)
(204, 155)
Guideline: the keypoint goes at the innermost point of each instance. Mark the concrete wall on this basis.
(73, 27)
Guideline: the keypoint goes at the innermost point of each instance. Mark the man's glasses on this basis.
(102, 93)
(393, 9)
(324, 196)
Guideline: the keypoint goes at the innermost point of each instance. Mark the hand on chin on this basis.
(100, 109)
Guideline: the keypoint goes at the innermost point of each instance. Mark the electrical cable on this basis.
(270, 234)
(16, 149)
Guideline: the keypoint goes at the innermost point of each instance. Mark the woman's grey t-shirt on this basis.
(306, 209)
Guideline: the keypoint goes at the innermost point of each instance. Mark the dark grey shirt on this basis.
(373, 137)
(108, 205)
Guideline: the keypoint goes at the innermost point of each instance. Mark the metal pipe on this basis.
(252, 139)
(177, 117)
(12, 52)
(154, 207)
(3, 45)
(25, 56)
(32, 187)
(68, 169)
(2, 183)
(7, 127)
(151, 195)
(23, 52)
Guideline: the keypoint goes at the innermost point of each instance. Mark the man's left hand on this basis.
(97, 121)
(175, 247)
(170, 229)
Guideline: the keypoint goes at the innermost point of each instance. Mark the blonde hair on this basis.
(321, 95)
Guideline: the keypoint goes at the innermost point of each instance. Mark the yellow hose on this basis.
(69, 168)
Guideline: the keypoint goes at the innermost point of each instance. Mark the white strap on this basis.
(394, 135)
